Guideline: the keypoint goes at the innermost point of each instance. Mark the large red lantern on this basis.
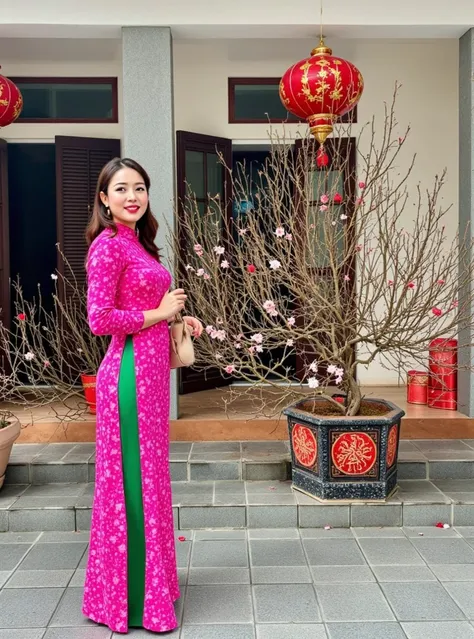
(11, 101)
(320, 89)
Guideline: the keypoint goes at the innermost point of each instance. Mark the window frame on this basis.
(291, 119)
(71, 80)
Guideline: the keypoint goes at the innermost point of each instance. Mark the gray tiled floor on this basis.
(374, 583)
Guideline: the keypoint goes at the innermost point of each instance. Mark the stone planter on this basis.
(338, 457)
(8, 435)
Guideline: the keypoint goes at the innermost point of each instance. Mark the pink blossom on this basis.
(210, 329)
(313, 367)
(237, 345)
(359, 248)
(454, 305)
(390, 282)
(331, 369)
(243, 232)
(280, 231)
(257, 338)
(288, 237)
(324, 198)
(251, 350)
(291, 321)
(47, 363)
(221, 335)
(207, 276)
(274, 264)
(338, 380)
(290, 342)
(270, 308)
(219, 250)
(198, 250)
(259, 348)
(337, 199)
(343, 216)
(411, 285)
(189, 268)
(436, 311)
(200, 272)
(322, 209)
(347, 278)
(224, 264)
(229, 369)
(441, 282)
(360, 201)
(313, 382)
(361, 185)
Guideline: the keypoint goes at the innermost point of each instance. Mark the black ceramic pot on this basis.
(339, 457)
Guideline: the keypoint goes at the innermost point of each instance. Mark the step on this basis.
(245, 504)
(230, 461)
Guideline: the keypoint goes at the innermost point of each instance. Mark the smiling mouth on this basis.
(132, 209)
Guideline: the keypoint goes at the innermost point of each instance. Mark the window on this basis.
(257, 101)
(68, 99)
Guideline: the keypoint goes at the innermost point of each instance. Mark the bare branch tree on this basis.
(326, 263)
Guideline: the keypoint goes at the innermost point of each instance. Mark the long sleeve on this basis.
(104, 267)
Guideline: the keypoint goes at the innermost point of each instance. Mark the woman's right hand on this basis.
(171, 304)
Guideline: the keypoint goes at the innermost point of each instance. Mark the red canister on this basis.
(443, 360)
(444, 399)
(417, 387)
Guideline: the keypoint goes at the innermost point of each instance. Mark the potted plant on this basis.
(336, 268)
(51, 351)
(9, 433)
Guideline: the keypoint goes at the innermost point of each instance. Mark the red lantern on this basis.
(417, 387)
(320, 89)
(11, 101)
(322, 159)
(443, 364)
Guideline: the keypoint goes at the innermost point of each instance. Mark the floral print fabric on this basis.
(123, 281)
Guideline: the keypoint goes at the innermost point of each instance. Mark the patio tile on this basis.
(19, 537)
(222, 488)
(277, 533)
(368, 532)
(213, 535)
(430, 531)
(316, 515)
(365, 630)
(78, 578)
(217, 554)
(374, 515)
(272, 516)
(464, 531)
(10, 494)
(34, 606)
(322, 533)
(54, 556)
(453, 469)
(437, 629)
(41, 503)
(71, 537)
(444, 551)
(277, 575)
(216, 517)
(11, 555)
(390, 552)
(454, 572)
(413, 470)
(333, 552)
(425, 515)
(285, 603)
(344, 602)
(217, 604)
(441, 445)
(271, 487)
(250, 448)
(215, 447)
(291, 631)
(69, 611)
(78, 633)
(47, 473)
(264, 499)
(463, 595)
(236, 631)
(40, 579)
(24, 633)
(209, 576)
(276, 552)
(4, 576)
(210, 471)
(183, 553)
(403, 573)
(34, 519)
(261, 471)
(463, 515)
(425, 601)
(342, 574)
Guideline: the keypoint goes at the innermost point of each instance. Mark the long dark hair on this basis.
(147, 225)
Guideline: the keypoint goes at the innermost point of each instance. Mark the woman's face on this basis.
(126, 197)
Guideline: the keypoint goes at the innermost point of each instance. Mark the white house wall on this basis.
(428, 101)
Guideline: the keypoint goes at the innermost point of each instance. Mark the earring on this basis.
(107, 213)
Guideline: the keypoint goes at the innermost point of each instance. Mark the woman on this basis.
(131, 577)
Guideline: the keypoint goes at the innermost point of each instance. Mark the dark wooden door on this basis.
(4, 238)
(199, 169)
(78, 164)
(337, 177)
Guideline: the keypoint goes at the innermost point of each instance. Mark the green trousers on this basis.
(127, 397)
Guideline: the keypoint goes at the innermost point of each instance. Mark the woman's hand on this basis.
(171, 304)
(195, 324)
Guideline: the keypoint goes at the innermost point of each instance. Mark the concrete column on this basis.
(148, 126)
(466, 201)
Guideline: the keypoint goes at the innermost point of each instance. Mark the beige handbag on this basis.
(181, 344)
